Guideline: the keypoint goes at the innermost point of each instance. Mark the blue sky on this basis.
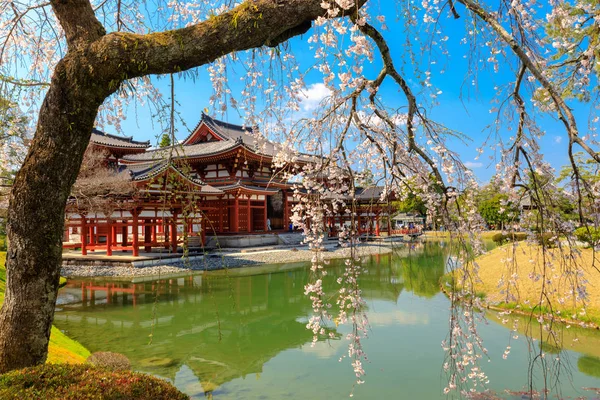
(463, 110)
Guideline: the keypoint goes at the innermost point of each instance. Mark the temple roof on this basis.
(105, 139)
(163, 166)
(371, 193)
(185, 151)
(240, 185)
(224, 130)
(228, 136)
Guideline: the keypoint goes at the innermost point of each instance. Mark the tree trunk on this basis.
(36, 214)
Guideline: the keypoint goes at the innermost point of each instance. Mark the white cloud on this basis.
(557, 139)
(398, 317)
(313, 96)
(472, 164)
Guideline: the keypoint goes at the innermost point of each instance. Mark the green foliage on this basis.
(83, 382)
(588, 234)
(501, 238)
(165, 140)
(589, 169)
(412, 203)
(493, 206)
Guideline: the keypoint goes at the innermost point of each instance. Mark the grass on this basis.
(61, 348)
(526, 260)
(446, 234)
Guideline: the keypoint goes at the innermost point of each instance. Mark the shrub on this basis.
(588, 234)
(114, 361)
(501, 238)
(83, 382)
(548, 239)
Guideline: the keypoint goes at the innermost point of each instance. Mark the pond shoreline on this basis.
(223, 260)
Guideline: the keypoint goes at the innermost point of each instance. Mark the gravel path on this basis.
(216, 261)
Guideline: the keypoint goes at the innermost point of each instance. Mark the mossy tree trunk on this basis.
(95, 65)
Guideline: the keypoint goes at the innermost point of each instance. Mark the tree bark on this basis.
(95, 65)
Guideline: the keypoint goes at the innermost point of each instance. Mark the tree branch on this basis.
(78, 20)
(250, 25)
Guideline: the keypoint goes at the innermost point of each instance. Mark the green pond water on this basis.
(240, 334)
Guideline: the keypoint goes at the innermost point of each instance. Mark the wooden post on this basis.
(377, 224)
(113, 232)
(249, 215)
(136, 250)
(92, 228)
(265, 216)
(236, 216)
(203, 231)
(174, 232)
(221, 209)
(109, 238)
(124, 233)
(286, 219)
(147, 236)
(83, 236)
(154, 223)
(166, 233)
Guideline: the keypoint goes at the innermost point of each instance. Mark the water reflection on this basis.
(222, 326)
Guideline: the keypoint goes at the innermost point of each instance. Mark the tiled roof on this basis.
(162, 166)
(183, 151)
(239, 185)
(104, 139)
(370, 193)
(233, 135)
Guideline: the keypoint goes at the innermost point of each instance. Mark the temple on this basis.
(218, 182)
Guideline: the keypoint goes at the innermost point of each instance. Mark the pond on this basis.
(241, 333)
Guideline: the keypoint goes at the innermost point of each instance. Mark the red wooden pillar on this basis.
(136, 250)
(203, 230)
(114, 234)
(109, 238)
(249, 215)
(92, 233)
(154, 223)
(359, 222)
(236, 216)
(377, 224)
(265, 216)
(84, 237)
(174, 233)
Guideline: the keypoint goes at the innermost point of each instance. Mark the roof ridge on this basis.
(128, 139)
(225, 124)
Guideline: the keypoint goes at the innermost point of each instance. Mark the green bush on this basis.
(83, 382)
(501, 238)
(547, 239)
(588, 234)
